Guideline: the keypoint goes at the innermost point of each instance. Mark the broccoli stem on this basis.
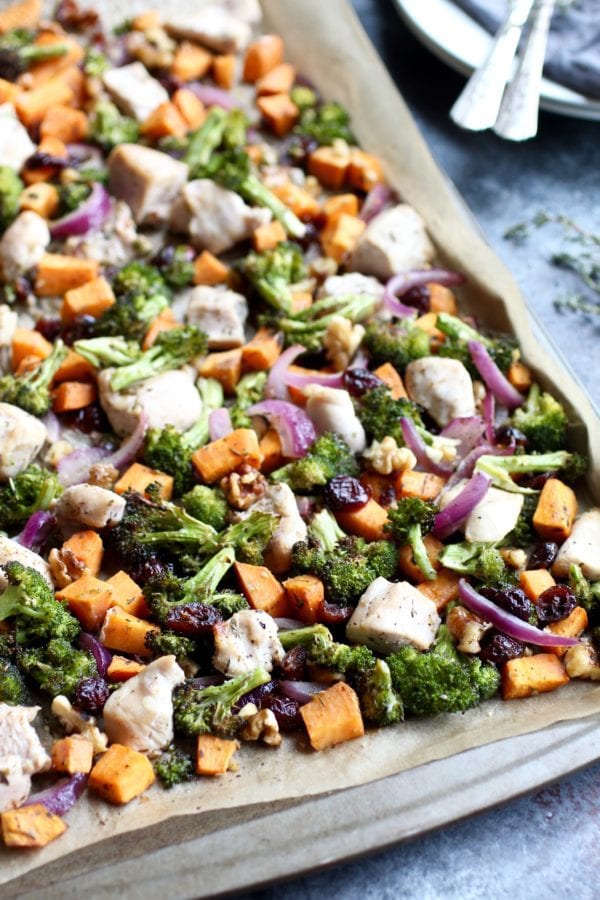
(211, 392)
(206, 139)
(500, 468)
(304, 637)
(253, 190)
(102, 352)
(420, 555)
(40, 53)
(171, 350)
(212, 572)
(324, 529)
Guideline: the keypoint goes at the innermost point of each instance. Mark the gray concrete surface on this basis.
(547, 843)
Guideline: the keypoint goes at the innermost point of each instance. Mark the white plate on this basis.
(459, 41)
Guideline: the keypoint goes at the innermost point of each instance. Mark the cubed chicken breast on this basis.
(583, 661)
(390, 615)
(139, 714)
(115, 244)
(493, 518)
(581, 548)
(134, 90)
(23, 244)
(220, 314)
(22, 437)
(351, 283)
(15, 144)
(394, 241)
(332, 410)
(8, 323)
(214, 218)
(279, 500)
(21, 754)
(12, 551)
(246, 641)
(441, 386)
(90, 505)
(214, 26)
(167, 399)
(147, 180)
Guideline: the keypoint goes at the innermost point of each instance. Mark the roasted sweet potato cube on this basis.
(121, 774)
(87, 546)
(529, 675)
(262, 590)
(127, 594)
(306, 595)
(88, 599)
(30, 826)
(535, 581)
(556, 510)
(214, 754)
(124, 632)
(367, 522)
(72, 754)
(333, 716)
(122, 669)
(406, 562)
(443, 589)
(573, 626)
(139, 478)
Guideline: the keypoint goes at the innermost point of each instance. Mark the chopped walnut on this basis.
(57, 451)
(69, 176)
(467, 628)
(153, 47)
(514, 557)
(386, 456)
(262, 725)
(243, 488)
(103, 475)
(479, 392)
(65, 567)
(341, 341)
(74, 721)
(442, 449)
(322, 267)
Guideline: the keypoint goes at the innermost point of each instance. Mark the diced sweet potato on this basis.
(124, 632)
(27, 342)
(87, 546)
(428, 323)
(122, 669)
(573, 626)
(27, 364)
(556, 510)
(139, 478)
(418, 484)
(340, 204)
(364, 170)
(381, 486)
(279, 80)
(262, 590)
(31, 106)
(164, 121)
(301, 300)
(301, 203)
(72, 395)
(529, 675)
(279, 112)
(267, 236)
(390, 377)
(443, 589)
(8, 91)
(68, 124)
(128, 595)
(406, 563)
(40, 198)
(57, 274)
(520, 376)
(165, 321)
(262, 56)
(330, 165)
(30, 826)
(25, 14)
(262, 352)
(40, 73)
(306, 595)
(89, 299)
(270, 447)
(74, 368)
(208, 269)
(149, 19)
(225, 367)
(339, 238)
(367, 522)
(223, 68)
(121, 774)
(219, 458)
(214, 754)
(190, 108)
(51, 146)
(72, 754)
(535, 581)
(332, 717)
(441, 299)
(89, 599)
(191, 62)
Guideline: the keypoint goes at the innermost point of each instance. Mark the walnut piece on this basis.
(75, 722)
(386, 456)
(262, 725)
(467, 628)
(341, 341)
(65, 567)
(103, 475)
(243, 488)
(153, 47)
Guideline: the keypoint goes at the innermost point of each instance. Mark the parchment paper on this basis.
(325, 40)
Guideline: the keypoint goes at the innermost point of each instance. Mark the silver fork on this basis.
(518, 116)
(479, 103)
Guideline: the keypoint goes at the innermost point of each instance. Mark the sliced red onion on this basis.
(301, 691)
(212, 96)
(75, 468)
(59, 798)
(295, 429)
(450, 519)
(468, 430)
(498, 384)
(286, 624)
(128, 450)
(403, 282)
(275, 386)
(327, 379)
(80, 153)
(305, 506)
(415, 442)
(507, 623)
(89, 215)
(219, 423)
(36, 530)
(360, 360)
(489, 412)
(467, 465)
(52, 424)
(376, 201)
(101, 655)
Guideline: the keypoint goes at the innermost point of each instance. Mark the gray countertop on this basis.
(549, 841)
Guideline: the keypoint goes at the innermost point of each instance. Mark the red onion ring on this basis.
(275, 386)
(101, 655)
(286, 624)
(36, 530)
(128, 450)
(489, 412)
(376, 201)
(301, 691)
(415, 442)
(300, 380)
(59, 798)
(52, 424)
(400, 284)
(498, 384)
(509, 624)
(219, 423)
(75, 468)
(467, 466)
(89, 215)
(295, 429)
(449, 519)
(468, 430)
(212, 96)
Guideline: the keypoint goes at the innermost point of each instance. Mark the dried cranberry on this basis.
(90, 419)
(498, 648)
(73, 18)
(543, 555)
(555, 603)
(142, 570)
(91, 694)
(509, 436)
(344, 494)
(387, 496)
(193, 619)
(285, 710)
(258, 696)
(293, 664)
(537, 482)
(41, 159)
(358, 381)
(419, 297)
(332, 614)
(83, 327)
(48, 327)
(311, 236)
(512, 599)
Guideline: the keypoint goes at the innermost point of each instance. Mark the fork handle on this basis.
(478, 104)
(518, 116)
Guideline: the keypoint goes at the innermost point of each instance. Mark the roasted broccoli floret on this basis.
(153, 523)
(108, 127)
(11, 187)
(523, 534)
(249, 390)
(18, 52)
(171, 350)
(379, 702)
(327, 457)
(587, 593)
(165, 643)
(95, 62)
(72, 195)
(380, 414)
(304, 637)
(167, 591)
(249, 538)
(173, 766)
(272, 272)
(206, 139)
(480, 560)
(441, 679)
(227, 602)
(178, 271)
(170, 451)
(30, 603)
(12, 685)
(325, 123)
(308, 327)
(568, 465)
(211, 709)
(102, 352)
(207, 504)
(31, 490)
(408, 521)
(322, 650)
(397, 344)
(324, 529)
(459, 334)
(542, 420)
(349, 568)
(57, 667)
(31, 391)
(142, 294)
